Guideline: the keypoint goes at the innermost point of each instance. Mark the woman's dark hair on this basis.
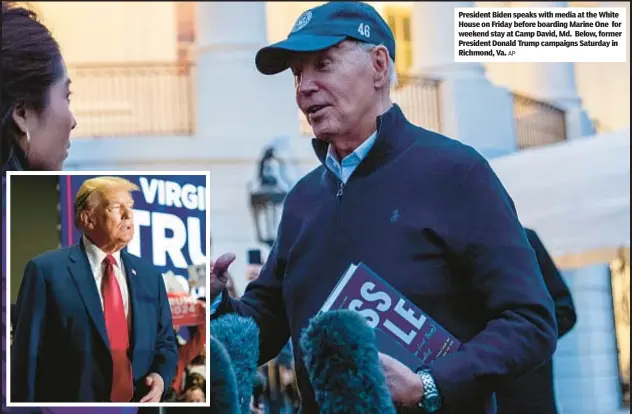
(31, 63)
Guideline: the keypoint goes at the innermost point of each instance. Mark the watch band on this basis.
(431, 400)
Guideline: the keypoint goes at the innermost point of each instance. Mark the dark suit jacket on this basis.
(61, 350)
(534, 393)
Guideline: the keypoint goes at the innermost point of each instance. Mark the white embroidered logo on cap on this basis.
(302, 21)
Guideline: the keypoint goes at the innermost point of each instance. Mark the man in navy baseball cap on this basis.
(325, 26)
(342, 55)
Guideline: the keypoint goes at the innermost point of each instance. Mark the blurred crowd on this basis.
(189, 384)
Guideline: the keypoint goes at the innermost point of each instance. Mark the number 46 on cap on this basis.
(364, 30)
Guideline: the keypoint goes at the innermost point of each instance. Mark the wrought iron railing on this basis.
(157, 99)
(419, 99)
(133, 99)
(537, 123)
(417, 96)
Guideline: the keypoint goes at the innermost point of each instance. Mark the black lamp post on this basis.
(265, 206)
(266, 198)
(266, 202)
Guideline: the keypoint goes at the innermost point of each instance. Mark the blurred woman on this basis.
(36, 120)
(35, 117)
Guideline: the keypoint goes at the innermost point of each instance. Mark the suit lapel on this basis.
(133, 284)
(84, 279)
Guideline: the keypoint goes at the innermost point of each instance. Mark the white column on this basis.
(433, 41)
(585, 363)
(239, 111)
(472, 109)
(552, 82)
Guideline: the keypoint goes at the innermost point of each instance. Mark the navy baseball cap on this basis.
(323, 27)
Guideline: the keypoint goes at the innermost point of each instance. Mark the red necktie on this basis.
(116, 326)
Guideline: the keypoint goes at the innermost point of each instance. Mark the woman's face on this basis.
(49, 130)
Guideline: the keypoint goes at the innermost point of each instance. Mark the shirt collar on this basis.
(96, 255)
(358, 155)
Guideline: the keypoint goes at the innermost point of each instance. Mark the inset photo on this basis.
(106, 283)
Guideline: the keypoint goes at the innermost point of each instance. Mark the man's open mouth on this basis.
(315, 109)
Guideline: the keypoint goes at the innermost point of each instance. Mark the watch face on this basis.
(432, 403)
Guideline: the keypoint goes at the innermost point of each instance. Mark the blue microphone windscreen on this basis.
(341, 357)
(223, 384)
(240, 337)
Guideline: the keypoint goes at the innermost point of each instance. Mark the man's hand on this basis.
(405, 386)
(219, 277)
(156, 387)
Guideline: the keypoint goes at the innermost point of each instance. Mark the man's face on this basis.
(335, 88)
(112, 219)
(194, 395)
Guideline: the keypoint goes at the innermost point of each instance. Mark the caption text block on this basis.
(540, 34)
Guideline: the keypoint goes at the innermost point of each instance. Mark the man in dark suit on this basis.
(94, 322)
(534, 393)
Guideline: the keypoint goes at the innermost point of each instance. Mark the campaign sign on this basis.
(169, 219)
(185, 310)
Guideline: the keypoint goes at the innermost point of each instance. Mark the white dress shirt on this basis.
(96, 257)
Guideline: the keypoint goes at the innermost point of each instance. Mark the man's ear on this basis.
(87, 220)
(381, 63)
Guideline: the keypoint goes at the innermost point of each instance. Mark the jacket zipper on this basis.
(341, 187)
(339, 194)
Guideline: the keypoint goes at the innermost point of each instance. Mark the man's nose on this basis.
(306, 84)
(126, 213)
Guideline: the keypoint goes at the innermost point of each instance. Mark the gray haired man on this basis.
(424, 211)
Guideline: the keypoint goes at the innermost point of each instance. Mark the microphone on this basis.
(341, 358)
(223, 386)
(240, 337)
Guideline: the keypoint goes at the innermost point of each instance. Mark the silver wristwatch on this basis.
(431, 400)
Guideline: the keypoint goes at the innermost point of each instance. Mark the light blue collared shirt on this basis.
(350, 163)
(342, 170)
